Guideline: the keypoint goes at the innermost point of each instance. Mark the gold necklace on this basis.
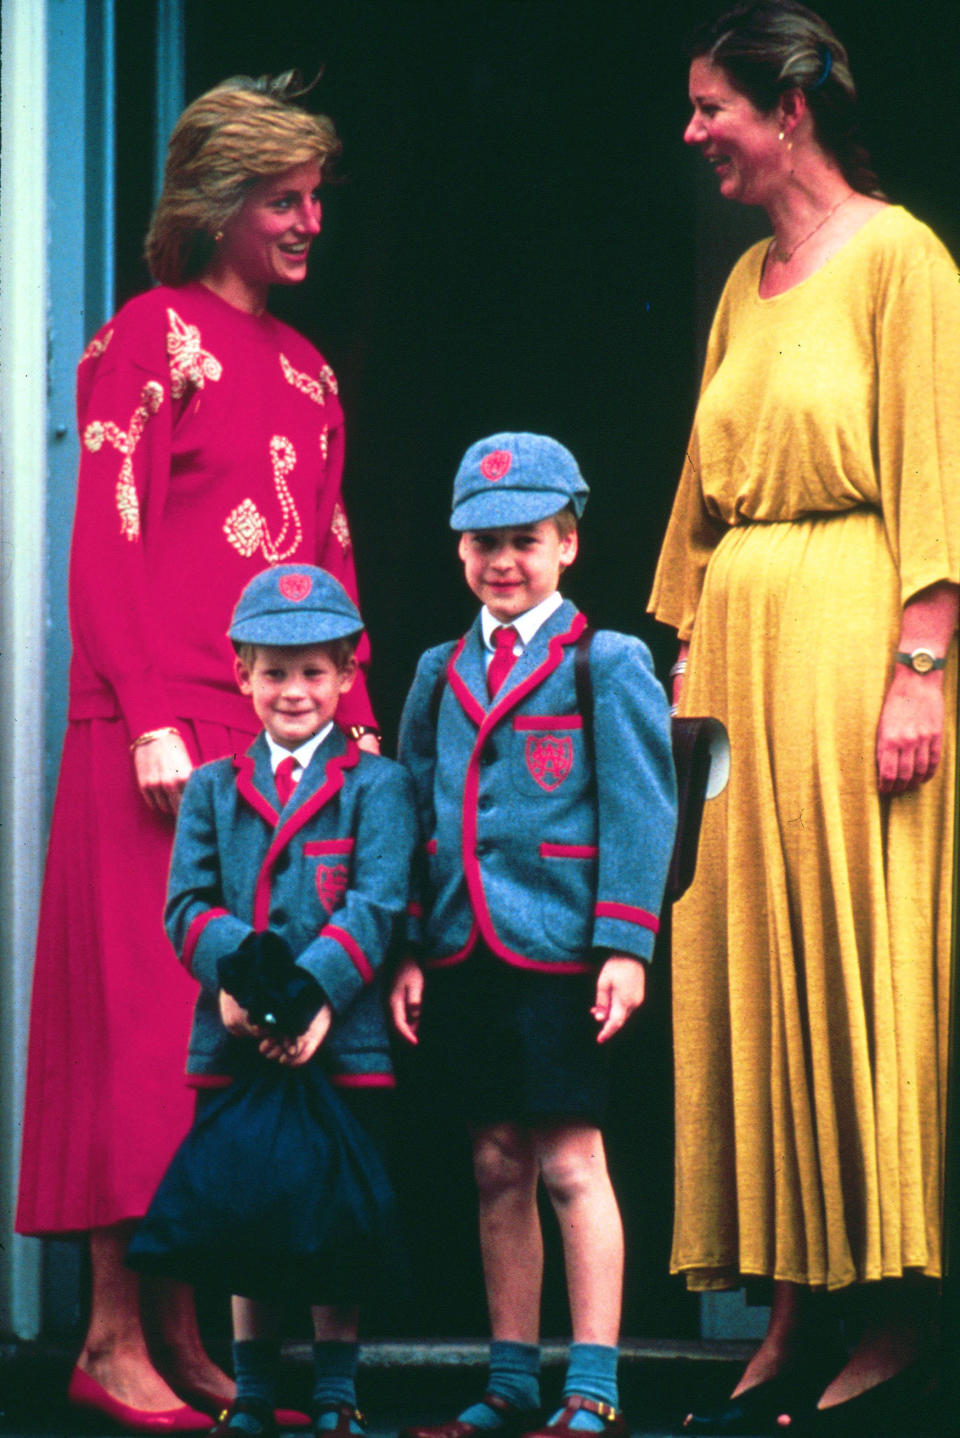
(785, 256)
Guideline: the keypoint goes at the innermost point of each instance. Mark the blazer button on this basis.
(485, 802)
(483, 847)
(278, 917)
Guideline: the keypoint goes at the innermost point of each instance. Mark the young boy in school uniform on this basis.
(549, 834)
(311, 838)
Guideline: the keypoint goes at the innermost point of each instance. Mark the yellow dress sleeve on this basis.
(918, 418)
(692, 532)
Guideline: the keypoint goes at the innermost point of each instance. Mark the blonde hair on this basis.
(238, 133)
(339, 651)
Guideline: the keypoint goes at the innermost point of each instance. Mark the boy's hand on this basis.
(406, 999)
(621, 986)
(295, 1052)
(235, 1019)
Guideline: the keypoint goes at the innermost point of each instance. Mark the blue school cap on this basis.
(294, 604)
(515, 479)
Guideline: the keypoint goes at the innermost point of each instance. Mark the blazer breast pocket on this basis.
(331, 872)
(547, 754)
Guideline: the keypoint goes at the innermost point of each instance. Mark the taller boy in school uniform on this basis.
(549, 835)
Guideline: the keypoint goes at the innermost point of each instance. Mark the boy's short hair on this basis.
(566, 521)
(338, 651)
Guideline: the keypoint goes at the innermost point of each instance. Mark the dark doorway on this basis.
(520, 242)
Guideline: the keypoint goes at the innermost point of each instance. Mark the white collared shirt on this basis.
(526, 624)
(303, 755)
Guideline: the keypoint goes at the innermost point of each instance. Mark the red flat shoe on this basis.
(85, 1392)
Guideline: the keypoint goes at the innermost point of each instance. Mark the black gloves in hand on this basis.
(264, 979)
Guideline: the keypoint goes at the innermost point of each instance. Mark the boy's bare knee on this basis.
(573, 1165)
(503, 1160)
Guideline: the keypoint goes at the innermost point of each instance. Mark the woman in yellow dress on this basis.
(810, 568)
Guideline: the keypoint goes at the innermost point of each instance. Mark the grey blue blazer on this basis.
(543, 844)
(329, 872)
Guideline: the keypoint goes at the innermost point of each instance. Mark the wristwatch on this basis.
(357, 731)
(921, 661)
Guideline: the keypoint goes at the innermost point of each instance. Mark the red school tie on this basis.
(283, 778)
(503, 657)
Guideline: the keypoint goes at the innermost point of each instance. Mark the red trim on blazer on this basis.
(630, 915)
(430, 847)
(209, 1080)
(568, 851)
(415, 910)
(523, 722)
(193, 935)
(329, 846)
(347, 941)
(245, 765)
(449, 960)
(362, 1080)
(332, 784)
(471, 706)
(471, 867)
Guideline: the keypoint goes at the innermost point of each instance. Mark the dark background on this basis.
(522, 241)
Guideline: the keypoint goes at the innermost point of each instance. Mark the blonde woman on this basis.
(212, 446)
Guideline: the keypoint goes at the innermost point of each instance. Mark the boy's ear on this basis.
(348, 674)
(462, 549)
(241, 673)
(569, 547)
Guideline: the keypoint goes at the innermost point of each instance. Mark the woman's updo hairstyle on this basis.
(242, 131)
(766, 47)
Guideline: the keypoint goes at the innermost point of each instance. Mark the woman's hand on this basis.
(162, 767)
(677, 674)
(370, 743)
(910, 732)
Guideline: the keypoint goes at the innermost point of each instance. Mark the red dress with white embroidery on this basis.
(212, 446)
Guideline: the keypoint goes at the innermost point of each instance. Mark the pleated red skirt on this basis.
(106, 1101)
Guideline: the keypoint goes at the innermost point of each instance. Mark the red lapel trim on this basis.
(332, 784)
(245, 766)
(471, 864)
(468, 700)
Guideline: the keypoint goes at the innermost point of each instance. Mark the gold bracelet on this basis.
(152, 734)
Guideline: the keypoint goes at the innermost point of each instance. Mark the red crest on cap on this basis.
(495, 465)
(295, 586)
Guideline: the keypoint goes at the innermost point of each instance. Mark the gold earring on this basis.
(219, 235)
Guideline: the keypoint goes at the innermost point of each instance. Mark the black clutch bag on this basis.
(701, 757)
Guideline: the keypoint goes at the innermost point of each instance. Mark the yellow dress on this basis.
(821, 491)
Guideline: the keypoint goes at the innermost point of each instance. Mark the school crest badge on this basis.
(295, 586)
(549, 758)
(332, 882)
(496, 464)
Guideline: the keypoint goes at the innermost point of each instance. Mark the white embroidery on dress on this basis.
(339, 527)
(96, 346)
(245, 527)
(316, 388)
(190, 364)
(324, 442)
(128, 506)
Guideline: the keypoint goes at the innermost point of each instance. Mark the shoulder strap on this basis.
(583, 684)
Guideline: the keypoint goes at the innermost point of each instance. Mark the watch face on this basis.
(921, 660)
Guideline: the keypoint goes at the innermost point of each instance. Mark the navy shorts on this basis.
(501, 1044)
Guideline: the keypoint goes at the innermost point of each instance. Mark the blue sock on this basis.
(591, 1372)
(514, 1375)
(334, 1380)
(255, 1364)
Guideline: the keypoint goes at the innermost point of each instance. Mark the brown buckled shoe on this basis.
(346, 1414)
(513, 1422)
(615, 1425)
